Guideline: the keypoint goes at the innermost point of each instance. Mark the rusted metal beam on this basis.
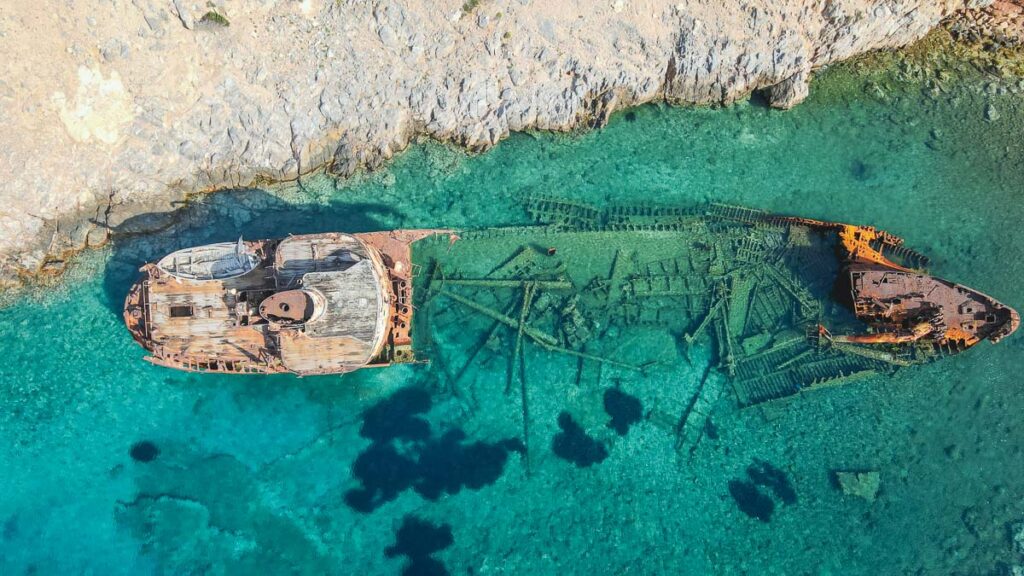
(536, 335)
(524, 312)
(545, 341)
(553, 285)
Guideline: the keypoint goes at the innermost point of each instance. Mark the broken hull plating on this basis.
(905, 307)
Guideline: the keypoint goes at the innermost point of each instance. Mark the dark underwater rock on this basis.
(447, 465)
(574, 445)
(404, 454)
(144, 451)
(754, 502)
(860, 170)
(764, 474)
(384, 474)
(397, 417)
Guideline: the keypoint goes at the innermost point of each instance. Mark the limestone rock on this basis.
(133, 97)
(183, 14)
(789, 92)
(1017, 537)
(862, 484)
(991, 114)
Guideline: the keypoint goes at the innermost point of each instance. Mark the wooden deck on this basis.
(362, 285)
(197, 322)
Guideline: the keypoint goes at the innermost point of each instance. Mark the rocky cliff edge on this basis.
(115, 108)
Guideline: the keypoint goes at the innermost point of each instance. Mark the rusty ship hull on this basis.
(313, 304)
(900, 303)
(769, 290)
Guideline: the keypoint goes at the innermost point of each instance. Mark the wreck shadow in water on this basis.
(405, 453)
(418, 540)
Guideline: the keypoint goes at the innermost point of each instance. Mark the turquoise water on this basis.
(112, 466)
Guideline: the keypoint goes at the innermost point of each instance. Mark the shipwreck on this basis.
(789, 303)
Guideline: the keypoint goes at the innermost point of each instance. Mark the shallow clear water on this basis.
(271, 474)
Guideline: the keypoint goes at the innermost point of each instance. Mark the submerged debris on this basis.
(787, 304)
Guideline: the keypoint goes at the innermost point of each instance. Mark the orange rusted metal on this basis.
(903, 305)
(916, 333)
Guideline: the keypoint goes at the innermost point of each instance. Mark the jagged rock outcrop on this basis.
(998, 25)
(119, 107)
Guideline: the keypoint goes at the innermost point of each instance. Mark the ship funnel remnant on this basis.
(789, 303)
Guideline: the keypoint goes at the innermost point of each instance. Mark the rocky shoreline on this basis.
(126, 108)
(998, 25)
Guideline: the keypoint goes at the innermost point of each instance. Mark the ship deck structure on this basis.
(312, 304)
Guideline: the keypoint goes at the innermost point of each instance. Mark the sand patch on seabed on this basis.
(100, 108)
